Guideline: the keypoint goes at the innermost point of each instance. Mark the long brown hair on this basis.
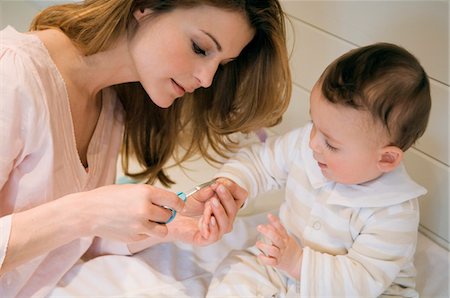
(250, 92)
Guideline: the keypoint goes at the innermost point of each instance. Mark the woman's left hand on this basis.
(223, 206)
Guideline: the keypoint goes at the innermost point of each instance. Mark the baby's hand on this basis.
(282, 251)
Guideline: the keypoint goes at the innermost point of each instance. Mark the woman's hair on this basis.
(250, 92)
(388, 82)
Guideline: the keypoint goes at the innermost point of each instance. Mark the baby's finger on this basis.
(276, 223)
(272, 235)
(268, 250)
(269, 261)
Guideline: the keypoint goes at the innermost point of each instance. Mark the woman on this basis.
(167, 77)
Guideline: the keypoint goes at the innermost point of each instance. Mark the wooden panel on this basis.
(19, 14)
(434, 206)
(420, 26)
(298, 112)
(435, 142)
(314, 49)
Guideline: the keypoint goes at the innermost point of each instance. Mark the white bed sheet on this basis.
(178, 270)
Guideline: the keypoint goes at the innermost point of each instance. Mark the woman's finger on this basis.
(238, 193)
(220, 216)
(227, 201)
(213, 228)
(154, 229)
(158, 214)
(206, 218)
(165, 198)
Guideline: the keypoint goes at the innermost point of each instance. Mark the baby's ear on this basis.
(139, 14)
(390, 157)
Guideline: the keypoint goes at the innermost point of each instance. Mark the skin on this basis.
(160, 54)
(194, 41)
(353, 152)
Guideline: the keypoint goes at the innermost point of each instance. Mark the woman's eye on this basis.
(329, 147)
(198, 50)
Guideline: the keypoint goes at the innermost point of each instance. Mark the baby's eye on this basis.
(329, 147)
(198, 50)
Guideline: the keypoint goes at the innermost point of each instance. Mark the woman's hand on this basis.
(186, 229)
(195, 204)
(128, 212)
(223, 206)
(282, 251)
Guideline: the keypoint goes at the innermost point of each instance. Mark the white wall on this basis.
(320, 31)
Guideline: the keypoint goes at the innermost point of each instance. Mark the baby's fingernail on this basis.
(213, 221)
(215, 202)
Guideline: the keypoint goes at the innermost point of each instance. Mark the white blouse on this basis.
(39, 161)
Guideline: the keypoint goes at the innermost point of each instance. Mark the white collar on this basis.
(390, 189)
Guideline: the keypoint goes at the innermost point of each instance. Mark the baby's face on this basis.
(346, 143)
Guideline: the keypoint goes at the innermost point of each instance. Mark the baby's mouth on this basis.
(321, 165)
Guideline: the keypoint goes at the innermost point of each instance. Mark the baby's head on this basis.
(368, 107)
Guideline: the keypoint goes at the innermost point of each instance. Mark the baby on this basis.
(348, 224)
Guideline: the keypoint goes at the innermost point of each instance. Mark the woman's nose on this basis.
(205, 74)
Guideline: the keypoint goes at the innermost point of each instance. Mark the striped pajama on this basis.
(358, 240)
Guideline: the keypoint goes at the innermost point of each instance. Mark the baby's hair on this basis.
(388, 82)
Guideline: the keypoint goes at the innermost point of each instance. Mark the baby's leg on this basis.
(242, 275)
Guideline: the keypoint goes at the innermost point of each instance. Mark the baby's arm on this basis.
(282, 251)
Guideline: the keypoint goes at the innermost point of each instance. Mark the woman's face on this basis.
(180, 51)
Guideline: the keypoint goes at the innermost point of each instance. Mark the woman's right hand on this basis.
(128, 212)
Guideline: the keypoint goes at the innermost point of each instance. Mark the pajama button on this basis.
(317, 225)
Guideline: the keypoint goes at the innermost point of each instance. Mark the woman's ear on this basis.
(390, 158)
(139, 14)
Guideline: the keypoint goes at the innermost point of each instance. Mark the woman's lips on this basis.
(178, 89)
